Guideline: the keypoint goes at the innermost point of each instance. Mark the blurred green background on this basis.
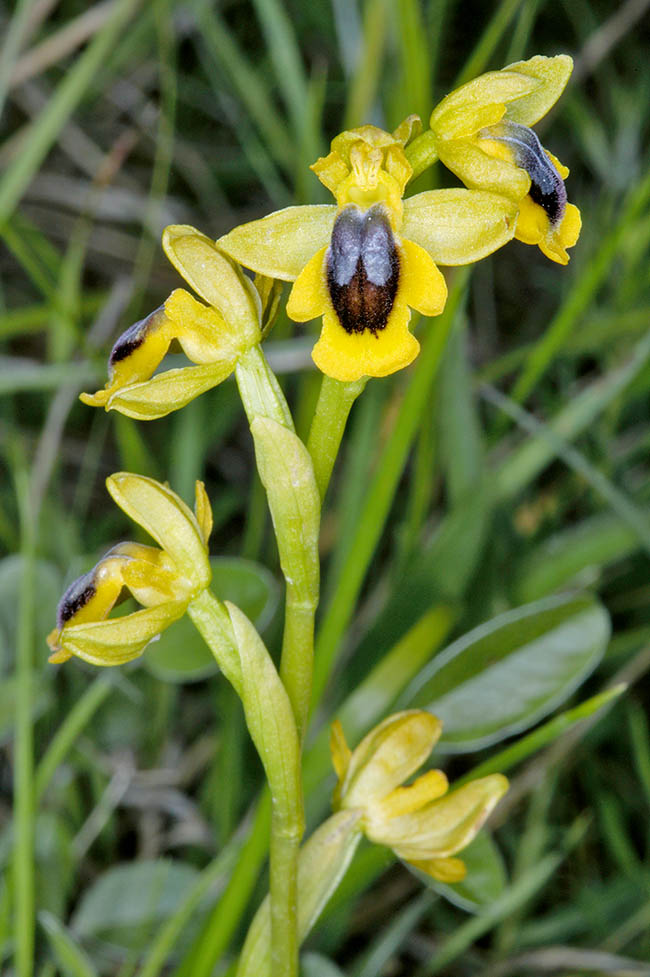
(518, 471)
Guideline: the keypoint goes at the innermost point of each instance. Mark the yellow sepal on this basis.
(527, 89)
(457, 226)
(168, 391)
(339, 749)
(118, 640)
(216, 279)
(168, 520)
(388, 755)
(280, 245)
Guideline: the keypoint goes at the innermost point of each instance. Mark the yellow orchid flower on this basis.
(424, 823)
(163, 580)
(212, 336)
(482, 133)
(365, 262)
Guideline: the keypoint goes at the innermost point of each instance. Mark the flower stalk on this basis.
(335, 402)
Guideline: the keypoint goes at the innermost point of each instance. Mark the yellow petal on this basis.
(308, 297)
(570, 226)
(459, 226)
(281, 244)
(558, 239)
(331, 170)
(408, 129)
(534, 227)
(201, 330)
(447, 870)
(203, 511)
(339, 749)
(443, 827)
(168, 391)
(167, 519)
(213, 276)
(388, 756)
(404, 800)
(421, 285)
(479, 170)
(121, 639)
(151, 576)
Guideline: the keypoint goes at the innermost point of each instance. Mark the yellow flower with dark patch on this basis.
(213, 333)
(482, 133)
(365, 263)
(163, 581)
(424, 823)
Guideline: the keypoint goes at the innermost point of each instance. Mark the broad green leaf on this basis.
(126, 904)
(181, 654)
(485, 879)
(71, 960)
(579, 550)
(507, 674)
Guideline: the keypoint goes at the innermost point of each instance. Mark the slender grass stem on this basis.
(75, 721)
(227, 912)
(23, 856)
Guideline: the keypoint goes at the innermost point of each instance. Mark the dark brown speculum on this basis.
(362, 268)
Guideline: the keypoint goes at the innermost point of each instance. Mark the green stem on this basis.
(286, 833)
(211, 620)
(422, 153)
(259, 389)
(334, 404)
(297, 662)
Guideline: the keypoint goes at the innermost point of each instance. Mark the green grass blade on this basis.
(45, 129)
